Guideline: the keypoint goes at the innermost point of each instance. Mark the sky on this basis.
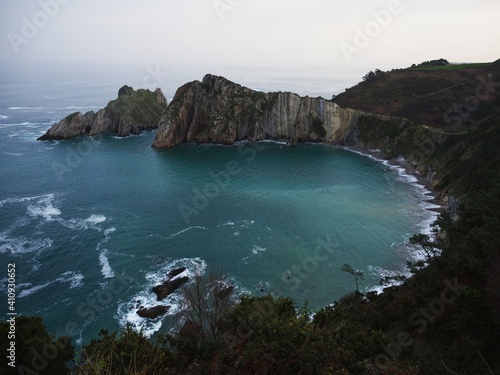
(263, 32)
(252, 33)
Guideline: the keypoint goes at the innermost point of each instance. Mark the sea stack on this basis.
(133, 112)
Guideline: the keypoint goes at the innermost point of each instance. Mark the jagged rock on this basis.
(131, 113)
(219, 111)
(153, 312)
(176, 272)
(168, 287)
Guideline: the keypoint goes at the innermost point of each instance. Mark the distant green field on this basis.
(452, 66)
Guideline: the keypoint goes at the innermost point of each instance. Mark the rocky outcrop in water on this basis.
(219, 111)
(153, 312)
(131, 113)
(171, 284)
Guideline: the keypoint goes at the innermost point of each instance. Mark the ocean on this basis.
(92, 224)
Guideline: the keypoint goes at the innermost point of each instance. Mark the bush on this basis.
(37, 351)
(125, 353)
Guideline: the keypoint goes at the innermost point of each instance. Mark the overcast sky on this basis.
(261, 32)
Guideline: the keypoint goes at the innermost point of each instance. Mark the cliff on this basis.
(131, 113)
(217, 110)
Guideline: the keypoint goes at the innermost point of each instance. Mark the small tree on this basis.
(369, 76)
(358, 275)
(208, 299)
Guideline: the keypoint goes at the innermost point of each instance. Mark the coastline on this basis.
(429, 199)
(434, 197)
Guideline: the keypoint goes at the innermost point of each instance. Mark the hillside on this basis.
(452, 97)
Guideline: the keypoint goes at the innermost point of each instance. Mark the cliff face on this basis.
(131, 113)
(219, 111)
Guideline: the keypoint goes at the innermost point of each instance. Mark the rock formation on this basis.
(171, 284)
(219, 111)
(176, 272)
(131, 113)
(153, 312)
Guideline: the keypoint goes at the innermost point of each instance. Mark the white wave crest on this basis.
(84, 224)
(184, 231)
(381, 273)
(23, 245)
(45, 209)
(39, 206)
(25, 108)
(257, 249)
(106, 269)
(95, 219)
(75, 280)
(25, 199)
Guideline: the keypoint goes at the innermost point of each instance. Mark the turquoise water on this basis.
(93, 224)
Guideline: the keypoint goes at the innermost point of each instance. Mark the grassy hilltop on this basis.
(438, 95)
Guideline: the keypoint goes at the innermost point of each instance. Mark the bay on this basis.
(93, 223)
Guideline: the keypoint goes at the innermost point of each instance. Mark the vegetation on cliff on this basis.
(449, 97)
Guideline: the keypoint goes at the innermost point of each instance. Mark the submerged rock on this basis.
(131, 113)
(153, 312)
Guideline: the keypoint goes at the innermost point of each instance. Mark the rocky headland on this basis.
(131, 113)
(217, 110)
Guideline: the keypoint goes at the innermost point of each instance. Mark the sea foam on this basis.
(25, 108)
(145, 298)
(184, 231)
(23, 245)
(95, 219)
(84, 224)
(257, 249)
(75, 280)
(106, 270)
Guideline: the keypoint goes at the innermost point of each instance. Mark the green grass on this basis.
(453, 67)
